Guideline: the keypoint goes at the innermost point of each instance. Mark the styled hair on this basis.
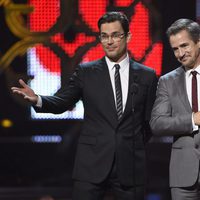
(113, 17)
(193, 28)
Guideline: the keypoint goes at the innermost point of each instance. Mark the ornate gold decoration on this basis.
(15, 21)
(17, 25)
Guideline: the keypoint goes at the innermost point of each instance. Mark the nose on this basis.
(181, 52)
(110, 39)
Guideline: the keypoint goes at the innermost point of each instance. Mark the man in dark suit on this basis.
(176, 110)
(118, 94)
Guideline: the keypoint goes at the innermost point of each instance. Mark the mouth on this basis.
(110, 48)
(184, 59)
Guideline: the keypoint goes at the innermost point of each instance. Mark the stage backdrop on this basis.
(77, 41)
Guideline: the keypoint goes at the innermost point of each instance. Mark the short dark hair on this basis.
(115, 16)
(188, 25)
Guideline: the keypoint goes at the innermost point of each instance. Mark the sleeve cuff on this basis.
(39, 102)
(195, 127)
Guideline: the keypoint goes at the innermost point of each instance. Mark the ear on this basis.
(128, 38)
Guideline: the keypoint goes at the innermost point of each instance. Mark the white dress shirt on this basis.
(124, 76)
(188, 78)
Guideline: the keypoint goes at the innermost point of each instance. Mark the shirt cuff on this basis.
(195, 127)
(39, 102)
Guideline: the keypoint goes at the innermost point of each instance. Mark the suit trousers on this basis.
(83, 190)
(187, 193)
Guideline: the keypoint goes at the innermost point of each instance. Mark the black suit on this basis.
(103, 138)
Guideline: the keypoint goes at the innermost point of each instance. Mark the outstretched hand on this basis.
(26, 92)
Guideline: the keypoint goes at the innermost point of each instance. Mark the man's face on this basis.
(185, 49)
(114, 41)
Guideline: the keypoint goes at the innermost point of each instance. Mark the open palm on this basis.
(26, 92)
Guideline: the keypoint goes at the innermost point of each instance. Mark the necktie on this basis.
(194, 92)
(118, 92)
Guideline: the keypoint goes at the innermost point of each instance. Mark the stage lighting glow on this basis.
(6, 123)
(46, 139)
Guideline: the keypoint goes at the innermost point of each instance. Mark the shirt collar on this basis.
(188, 70)
(123, 64)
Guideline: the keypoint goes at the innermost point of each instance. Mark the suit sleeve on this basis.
(66, 97)
(163, 121)
(151, 95)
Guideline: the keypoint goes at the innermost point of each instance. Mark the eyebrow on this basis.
(181, 45)
(111, 33)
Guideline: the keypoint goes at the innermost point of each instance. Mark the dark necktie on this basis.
(194, 92)
(118, 92)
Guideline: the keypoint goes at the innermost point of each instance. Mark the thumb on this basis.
(22, 83)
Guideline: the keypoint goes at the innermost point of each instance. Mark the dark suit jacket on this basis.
(103, 138)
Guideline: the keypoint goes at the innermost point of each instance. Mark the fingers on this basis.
(24, 95)
(17, 91)
(27, 98)
(14, 88)
(22, 83)
(25, 91)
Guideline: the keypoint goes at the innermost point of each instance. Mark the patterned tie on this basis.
(118, 92)
(194, 92)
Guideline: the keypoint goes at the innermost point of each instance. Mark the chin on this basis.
(188, 66)
(111, 56)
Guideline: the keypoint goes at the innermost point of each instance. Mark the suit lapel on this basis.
(133, 88)
(181, 88)
(107, 88)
